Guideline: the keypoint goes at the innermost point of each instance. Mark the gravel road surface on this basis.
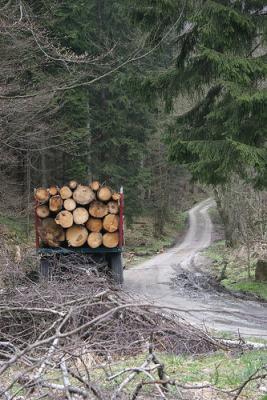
(153, 280)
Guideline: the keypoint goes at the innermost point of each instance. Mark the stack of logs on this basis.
(78, 215)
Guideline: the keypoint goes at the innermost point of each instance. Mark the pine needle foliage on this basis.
(219, 60)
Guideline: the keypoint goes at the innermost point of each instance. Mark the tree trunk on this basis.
(73, 184)
(69, 204)
(104, 194)
(42, 195)
(76, 235)
(55, 203)
(53, 190)
(94, 224)
(65, 192)
(98, 209)
(111, 240)
(111, 223)
(228, 232)
(116, 196)
(94, 240)
(64, 218)
(83, 195)
(113, 207)
(51, 233)
(95, 185)
(42, 211)
(80, 215)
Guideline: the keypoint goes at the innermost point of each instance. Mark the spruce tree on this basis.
(219, 61)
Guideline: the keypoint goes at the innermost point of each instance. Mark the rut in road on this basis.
(153, 280)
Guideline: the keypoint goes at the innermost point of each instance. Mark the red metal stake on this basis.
(121, 230)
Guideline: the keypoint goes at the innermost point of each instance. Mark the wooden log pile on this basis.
(78, 215)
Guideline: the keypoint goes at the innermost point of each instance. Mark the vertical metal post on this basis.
(121, 229)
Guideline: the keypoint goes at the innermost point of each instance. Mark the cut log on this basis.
(51, 233)
(65, 192)
(111, 223)
(64, 218)
(116, 196)
(42, 211)
(77, 235)
(95, 185)
(94, 240)
(69, 204)
(113, 207)
(98, 209)
(55, 203)
(80, 215)
(94, 224)
(73, 184)
(41, 194)
(111, 240)
(53, 190)
(83, 195)
(104, 194)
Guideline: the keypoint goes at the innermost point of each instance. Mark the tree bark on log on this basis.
(94, 224)
(104, 194)
(76, 235)
(98, 209)
(42, 211)
(55, 203)
(42, 195)
(64, 218)
(80, 215)
(113, 207)
(111, 240)
(65, 192)
(83, 195)
(111, 223)
(69, 204)
(94, 240)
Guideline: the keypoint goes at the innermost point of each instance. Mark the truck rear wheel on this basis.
(117, 268)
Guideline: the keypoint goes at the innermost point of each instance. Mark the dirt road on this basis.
(154, 279)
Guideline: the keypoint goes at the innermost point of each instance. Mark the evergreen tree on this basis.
(220, 62)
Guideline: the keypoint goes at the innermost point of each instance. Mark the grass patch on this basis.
(236, 274)
(224, 370)
(247, 286)
(15, 228)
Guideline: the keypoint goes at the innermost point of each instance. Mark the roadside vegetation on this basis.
(140, 242)
(230, 264)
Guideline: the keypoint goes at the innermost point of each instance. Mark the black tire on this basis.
(117, 268)
(45, 266)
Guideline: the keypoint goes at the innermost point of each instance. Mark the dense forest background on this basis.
(148, 95)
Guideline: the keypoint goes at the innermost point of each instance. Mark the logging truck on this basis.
(80, 219)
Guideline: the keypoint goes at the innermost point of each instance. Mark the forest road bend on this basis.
(152, 280)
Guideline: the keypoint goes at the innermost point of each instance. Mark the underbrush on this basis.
(229, 265)
(140, 242)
